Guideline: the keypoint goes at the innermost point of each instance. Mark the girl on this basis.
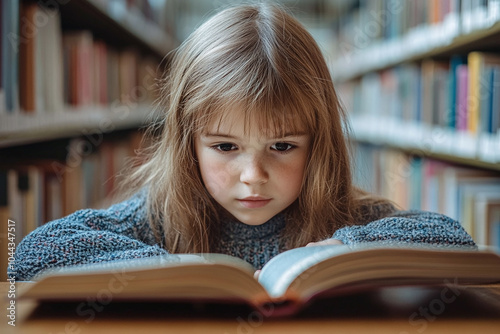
(251, 161)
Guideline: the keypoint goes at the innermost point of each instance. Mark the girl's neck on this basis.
(230, 225)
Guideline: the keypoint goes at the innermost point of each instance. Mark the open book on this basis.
(287, 282)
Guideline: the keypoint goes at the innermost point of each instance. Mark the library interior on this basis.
(419, 81)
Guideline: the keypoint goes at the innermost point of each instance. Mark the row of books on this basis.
(82, 71)
(382, 19)
(393, 31)
(471, 196)
(462, 94)
(34, 192)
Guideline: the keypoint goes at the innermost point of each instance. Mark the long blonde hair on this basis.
(260, 57)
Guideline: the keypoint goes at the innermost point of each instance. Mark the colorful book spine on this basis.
(455, 61)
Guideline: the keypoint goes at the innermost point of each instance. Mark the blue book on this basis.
(485, 111)
(495, 100)
(419, 90)
(455, 61)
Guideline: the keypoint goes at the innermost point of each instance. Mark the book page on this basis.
(168, 277)
(302, 272)
(281, 270)
(148, 263)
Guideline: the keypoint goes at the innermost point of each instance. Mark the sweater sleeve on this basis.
(408, 226)
(87, 236)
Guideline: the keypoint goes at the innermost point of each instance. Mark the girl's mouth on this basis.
(254, 202)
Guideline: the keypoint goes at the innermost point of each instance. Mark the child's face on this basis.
(252, 176)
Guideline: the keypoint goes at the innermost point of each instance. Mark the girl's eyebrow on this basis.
(224, 135)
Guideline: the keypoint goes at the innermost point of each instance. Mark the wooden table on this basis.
(399, 311)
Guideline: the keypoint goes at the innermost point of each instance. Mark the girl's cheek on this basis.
(217, 178)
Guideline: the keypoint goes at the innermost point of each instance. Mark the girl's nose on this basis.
(253, 172)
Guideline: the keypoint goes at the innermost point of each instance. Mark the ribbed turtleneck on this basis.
(254, 244)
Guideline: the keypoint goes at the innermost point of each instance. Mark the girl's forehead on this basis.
(242, 121)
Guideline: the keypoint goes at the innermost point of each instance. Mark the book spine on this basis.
(474, 97)
(455, 61)
(461, 119)
(495, 104)
(10, 48)
(27, 57)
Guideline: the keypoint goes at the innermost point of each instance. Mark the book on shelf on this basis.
(288, 282)
(470, 191)
(480, 89)
(485, 206)
(27, 57)
(462, 88)
(40, 60)
(9, 58)
(453, 85)
(460, 95)
(399, 31)
(445, 107)
(434, 96)
(79, 64)
(464, 194)
(494, 224)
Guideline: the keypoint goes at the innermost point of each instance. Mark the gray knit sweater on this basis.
(122, 232)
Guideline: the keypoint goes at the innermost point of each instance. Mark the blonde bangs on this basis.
(277, 108)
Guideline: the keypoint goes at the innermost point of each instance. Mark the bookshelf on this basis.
(421, 82)
(23, 129)
(77, 85)
(63, 119)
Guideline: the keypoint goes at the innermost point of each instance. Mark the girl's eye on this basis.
(282, 147)
(225, 147)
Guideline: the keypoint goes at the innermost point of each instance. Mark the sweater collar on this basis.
(232, 227)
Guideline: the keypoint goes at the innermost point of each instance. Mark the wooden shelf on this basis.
(22, 128)
(417, 139)
(119, 28)
(414, 47)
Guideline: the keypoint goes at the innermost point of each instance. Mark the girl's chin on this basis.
(253, 221)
